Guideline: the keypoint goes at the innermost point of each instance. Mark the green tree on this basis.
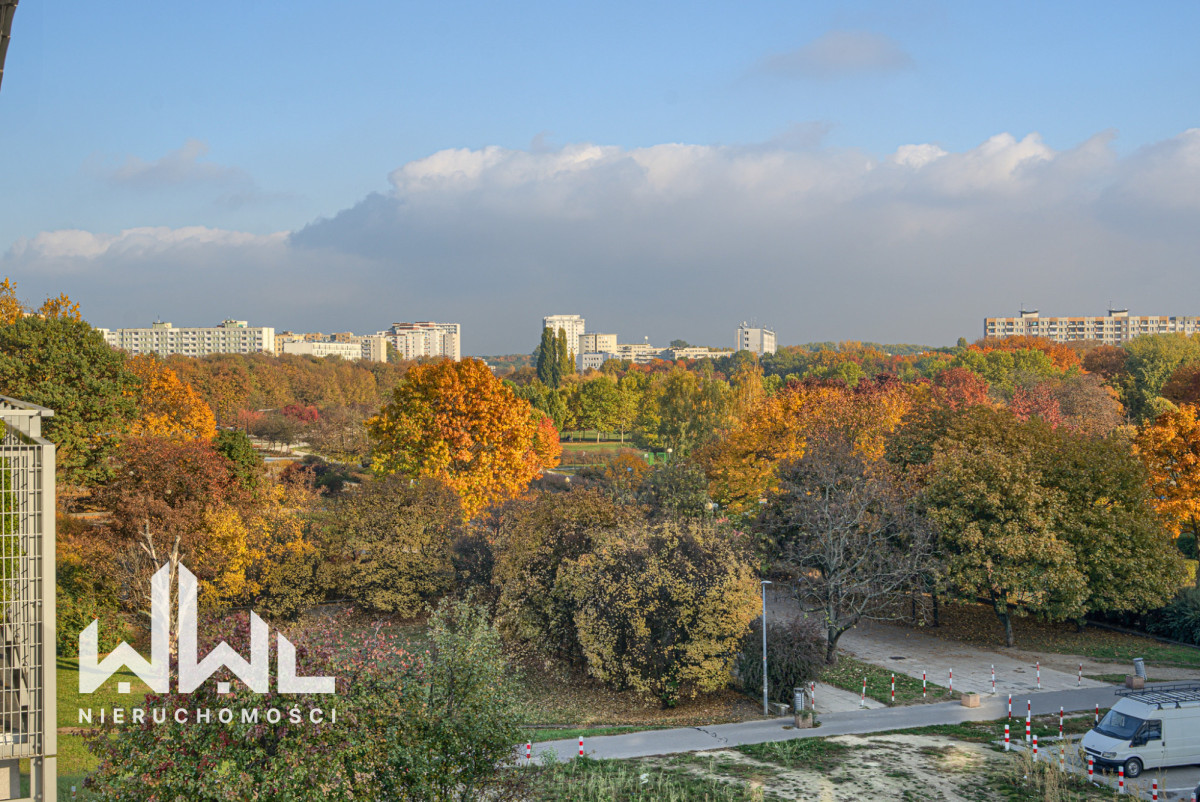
(598, 405)
(395, 536)
(549, 364)
(681, 411)
(997, 521)
(662, 608)
(64, 364)
(1150, 362)
(236, 447)
(566, 357)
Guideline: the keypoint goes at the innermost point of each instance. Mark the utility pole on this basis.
(765, 582)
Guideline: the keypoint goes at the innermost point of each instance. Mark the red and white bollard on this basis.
(1080, 680)
(1010, 707)
(1193, 796)
(1060, 721)
(893, 689)
(581, 746)
(952, 681)
(1039, 674)
(1062, 758)
(1120, 779)
(993, 679)
(922, 683)
(529, 750)
(1097, 712)
(1028, 728)
(1091, 767)
(863, 702)
(812, 694)
(1154, 790)
(1028, 709)
(1035, 749)
(1006, 746)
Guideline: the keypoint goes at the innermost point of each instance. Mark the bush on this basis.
(795, 657)
(406, 729)
(1179, 620)
(661, 609)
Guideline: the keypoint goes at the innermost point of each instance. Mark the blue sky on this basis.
(343, 166)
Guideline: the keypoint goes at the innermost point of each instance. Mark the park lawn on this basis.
(849, 672)
(977, 624)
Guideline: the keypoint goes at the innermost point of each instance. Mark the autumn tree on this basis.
(661, 609)
(549, 363)
(12, 310)
(456, 422)
(166, 406)
(1061, 355)
(598, 400)
(245, 462)
(394, 539)
(841, 523)
(64, 364)
(1107, 362)
(1184, 385)
(1170, 449)
(681, 411)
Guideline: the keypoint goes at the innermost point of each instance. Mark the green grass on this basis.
(70, 700)
(848, 675)
(535, 735)
(812, 753)
(987, 731)
(586, 780)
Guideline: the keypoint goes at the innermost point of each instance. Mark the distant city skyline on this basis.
(893, 172)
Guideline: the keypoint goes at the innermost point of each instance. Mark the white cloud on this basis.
(179, 167)
(679, 240)
(840, 53)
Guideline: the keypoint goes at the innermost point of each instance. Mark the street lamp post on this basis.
(765, 582)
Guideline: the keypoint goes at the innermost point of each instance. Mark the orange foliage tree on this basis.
(1170, 448)
(741, 464)
(168, 407)
(12, 310)
(455, 421)
(1062, 355)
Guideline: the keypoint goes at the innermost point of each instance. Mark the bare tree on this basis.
(842, 523)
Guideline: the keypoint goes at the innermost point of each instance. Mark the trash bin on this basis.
(1139, 667)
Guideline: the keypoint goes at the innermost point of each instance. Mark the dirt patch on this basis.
(899, 768)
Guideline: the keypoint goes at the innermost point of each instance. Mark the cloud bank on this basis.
(681, 240)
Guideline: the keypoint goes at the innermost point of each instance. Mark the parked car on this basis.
(1152, 728)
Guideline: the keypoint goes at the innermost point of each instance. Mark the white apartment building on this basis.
(571, 324)
(231, 337)
(324, 348)
(756, 339)
(1116, 327)
(694, 352)
(425, 338)
(597, 343)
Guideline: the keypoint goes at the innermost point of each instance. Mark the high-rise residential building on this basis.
(231, 337)
(1116, 327)
(571, 324)
(426, 338)
(756, 339)
(597, 343)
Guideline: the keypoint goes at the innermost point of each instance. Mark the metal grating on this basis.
(27, 644)
(1167, 693)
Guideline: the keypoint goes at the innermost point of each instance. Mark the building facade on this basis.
(754, 338)
(1117, 326)
(230, 337)
(425, 338)
(571, 324)
(324, 348)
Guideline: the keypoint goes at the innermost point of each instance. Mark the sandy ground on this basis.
(898, 768)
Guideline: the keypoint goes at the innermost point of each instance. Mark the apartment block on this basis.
(597, 343)
(756, 339)
(425, 338)
(571, 324)
(164, 339)
(1117, 326)
(694, 352)
(324, 348)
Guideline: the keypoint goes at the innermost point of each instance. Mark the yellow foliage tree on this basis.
(741, 464)
(456, 422)
(168, 407)
(1170, 449)
(12, 310)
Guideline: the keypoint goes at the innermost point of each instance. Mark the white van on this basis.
(1154, 728)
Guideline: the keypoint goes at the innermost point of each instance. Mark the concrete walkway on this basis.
(856, 722)
(907, 652)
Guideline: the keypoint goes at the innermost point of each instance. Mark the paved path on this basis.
(856, 722)
(907, 652)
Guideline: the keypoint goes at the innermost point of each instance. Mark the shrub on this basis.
(1179, 620)
(795, 657)
(661, 609)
